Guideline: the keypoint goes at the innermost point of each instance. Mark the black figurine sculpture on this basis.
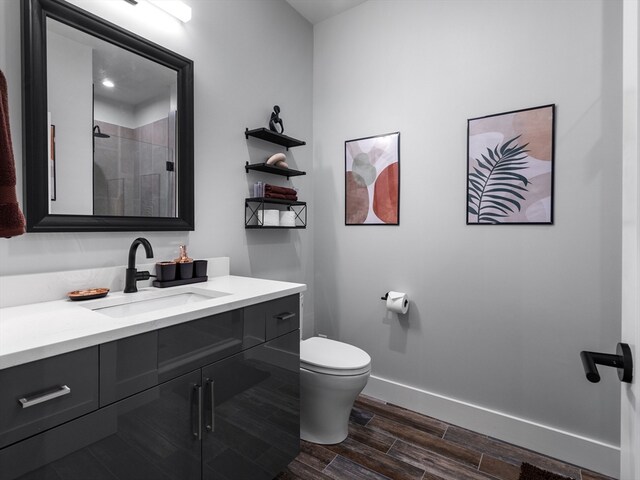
(276, 120)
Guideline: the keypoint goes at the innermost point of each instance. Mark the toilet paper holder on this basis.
(396, 302)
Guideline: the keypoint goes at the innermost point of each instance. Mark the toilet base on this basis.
(325, 405)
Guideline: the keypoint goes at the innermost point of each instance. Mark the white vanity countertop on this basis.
(40, 330)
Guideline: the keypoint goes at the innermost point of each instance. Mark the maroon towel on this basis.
(281, 196)
(11, 218)
(281, 190)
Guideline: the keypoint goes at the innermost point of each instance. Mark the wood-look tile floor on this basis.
(389, 442)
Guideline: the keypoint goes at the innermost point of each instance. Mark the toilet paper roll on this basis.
(397, 302)
(287, 218)
(271, 218)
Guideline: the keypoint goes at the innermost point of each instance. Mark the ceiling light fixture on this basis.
(175, 8)
(108, 83)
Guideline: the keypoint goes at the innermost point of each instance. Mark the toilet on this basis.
(332, 375)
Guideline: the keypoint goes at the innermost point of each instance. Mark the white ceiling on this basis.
(318, 10)
(137, 79)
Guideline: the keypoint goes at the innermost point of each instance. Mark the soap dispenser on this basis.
(185, 264)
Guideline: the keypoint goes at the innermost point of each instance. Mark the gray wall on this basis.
(498, 314)
(249, 56)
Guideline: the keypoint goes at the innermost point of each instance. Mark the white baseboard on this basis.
(566, 446)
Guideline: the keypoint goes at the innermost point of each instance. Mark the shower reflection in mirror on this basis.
(130, 105)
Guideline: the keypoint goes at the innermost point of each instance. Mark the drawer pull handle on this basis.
(44, 397)
(285, 316)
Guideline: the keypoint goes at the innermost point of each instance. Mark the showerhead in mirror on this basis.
(97, 133)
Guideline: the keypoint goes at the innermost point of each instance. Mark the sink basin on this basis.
(126, 307)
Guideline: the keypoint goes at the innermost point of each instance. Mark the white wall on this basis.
(69, 95)
(106, 110)
(499, 314)
(238, 79)
(125, 115)
(153, 110)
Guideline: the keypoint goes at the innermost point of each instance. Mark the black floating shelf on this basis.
(263, 167)
(254, 210)
(274, 137)
(267, 227)
(275, 201)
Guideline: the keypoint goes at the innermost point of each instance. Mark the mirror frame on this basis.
(34, 122)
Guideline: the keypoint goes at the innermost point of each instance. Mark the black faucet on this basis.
(132, 276)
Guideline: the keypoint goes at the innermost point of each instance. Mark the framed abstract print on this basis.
(372, 180)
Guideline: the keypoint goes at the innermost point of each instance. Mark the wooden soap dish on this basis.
(88, 294)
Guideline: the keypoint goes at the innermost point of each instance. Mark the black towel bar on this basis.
(622, 361)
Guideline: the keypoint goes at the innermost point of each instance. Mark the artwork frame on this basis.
(512, 156)
(372, 180)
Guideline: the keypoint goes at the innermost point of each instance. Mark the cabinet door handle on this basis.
(211, 425)
(285, 315)
(197, 428)
(44, 397)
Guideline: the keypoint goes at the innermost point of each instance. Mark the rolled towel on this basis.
(11, 218)
(287, 218)
(270, 218)
(282, 190)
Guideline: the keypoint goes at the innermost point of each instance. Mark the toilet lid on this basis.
(335, 358)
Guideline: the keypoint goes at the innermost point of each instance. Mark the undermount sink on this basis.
(144, 302)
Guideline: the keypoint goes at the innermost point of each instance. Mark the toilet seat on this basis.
(322, 355)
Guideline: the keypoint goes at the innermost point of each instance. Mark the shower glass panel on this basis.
(134, 170)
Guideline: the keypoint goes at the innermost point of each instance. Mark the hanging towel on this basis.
(11, 218)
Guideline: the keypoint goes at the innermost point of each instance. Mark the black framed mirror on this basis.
(96, 160)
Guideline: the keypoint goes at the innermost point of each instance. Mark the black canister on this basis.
(199, 268)
(165, 271)
(185, 270)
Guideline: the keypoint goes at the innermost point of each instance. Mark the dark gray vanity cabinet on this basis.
(252, 410)
(214, 398)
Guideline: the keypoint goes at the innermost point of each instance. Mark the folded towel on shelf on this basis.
(11, 219)
(281, 196)
(281, 190)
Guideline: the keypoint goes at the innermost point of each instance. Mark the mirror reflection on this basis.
(112, 118)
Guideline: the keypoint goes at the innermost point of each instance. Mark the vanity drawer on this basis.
(254, 329)
(128, 366)
(189, 345)
(42, 394)
(282, 315)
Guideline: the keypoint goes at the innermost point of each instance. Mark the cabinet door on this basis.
(150, 435)
(252, 412)
(187, 346)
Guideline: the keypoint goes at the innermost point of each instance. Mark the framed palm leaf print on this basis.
(510, 163)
